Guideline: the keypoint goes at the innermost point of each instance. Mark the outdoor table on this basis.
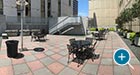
(83, 51)
(79, 44)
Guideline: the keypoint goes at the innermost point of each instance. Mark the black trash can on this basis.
(12, 48)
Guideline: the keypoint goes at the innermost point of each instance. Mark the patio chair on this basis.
(89, 39)
(37, 35)
(71, 51)
(96, 35)
(91, 51)
(71, 40)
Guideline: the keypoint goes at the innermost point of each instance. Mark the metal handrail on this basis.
(59, 22)
(65, 23)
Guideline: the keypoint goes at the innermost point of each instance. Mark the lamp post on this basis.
(22, 4)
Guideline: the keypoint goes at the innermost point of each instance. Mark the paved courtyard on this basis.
(53, 60)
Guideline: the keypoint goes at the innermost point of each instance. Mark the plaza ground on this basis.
(53, 60)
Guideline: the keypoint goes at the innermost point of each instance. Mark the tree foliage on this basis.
(129, 14)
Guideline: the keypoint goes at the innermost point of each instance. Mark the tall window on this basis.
(49, 8)
(28, 8)
(1, 6)
(59, 8)
(42, 8)
(69, 2)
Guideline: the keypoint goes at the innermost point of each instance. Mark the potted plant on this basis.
(128, 34)
(132, 36)
(125, 33)
(111, 29)
(137, 39)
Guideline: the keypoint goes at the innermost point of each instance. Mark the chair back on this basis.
(89, 39)
(70, 48)
(94, 44)
(71, 41)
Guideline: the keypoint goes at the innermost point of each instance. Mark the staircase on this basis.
(65, 25)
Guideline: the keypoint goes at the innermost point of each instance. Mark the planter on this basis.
(124, 34)
(127, 35)
(137, 41)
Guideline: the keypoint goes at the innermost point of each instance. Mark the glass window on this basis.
(69, 2)
(42, 8)
(1, 6)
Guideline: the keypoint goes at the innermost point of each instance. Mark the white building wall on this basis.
(9, 7)
(35, 8)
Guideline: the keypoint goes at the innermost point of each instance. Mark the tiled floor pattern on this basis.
(53, 60)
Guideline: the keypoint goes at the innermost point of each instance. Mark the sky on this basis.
(83, 7)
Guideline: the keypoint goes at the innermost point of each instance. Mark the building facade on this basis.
(75, 7)
(103, 12)
(39, 8)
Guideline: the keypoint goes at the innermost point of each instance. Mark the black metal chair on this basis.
(71, 40)
(89, 39)
(38, 35)
(71, 51)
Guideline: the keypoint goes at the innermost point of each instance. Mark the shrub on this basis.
(111, 29)
(100, 29)
(92, 29)
(132, 35)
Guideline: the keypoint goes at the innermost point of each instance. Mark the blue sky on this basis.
(83, 7)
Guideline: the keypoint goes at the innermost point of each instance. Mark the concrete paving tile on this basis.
(6, 70)
(18, 61)
(90, 69)
(68, 71)
(108, 51)
(136, 70)
(49, 52)
(3, 52)
(34, 52)
(30, 58)
(74, 65)
(21, 69)
(96, 61)
(27, 52)
(106, 61)
(47, 61)
(55, 67)
(3, 56)
(40, 55)
(64, 52)
(56, 56)
(82, 73)
(35, 65)
(107, 55)
(5, 62)
(64, 60)
(105, 70)
(43, 71)
(134, 61)
(121, 70)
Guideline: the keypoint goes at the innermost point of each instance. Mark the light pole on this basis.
(22, 4)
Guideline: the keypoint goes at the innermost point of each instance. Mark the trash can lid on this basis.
(12, 41)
